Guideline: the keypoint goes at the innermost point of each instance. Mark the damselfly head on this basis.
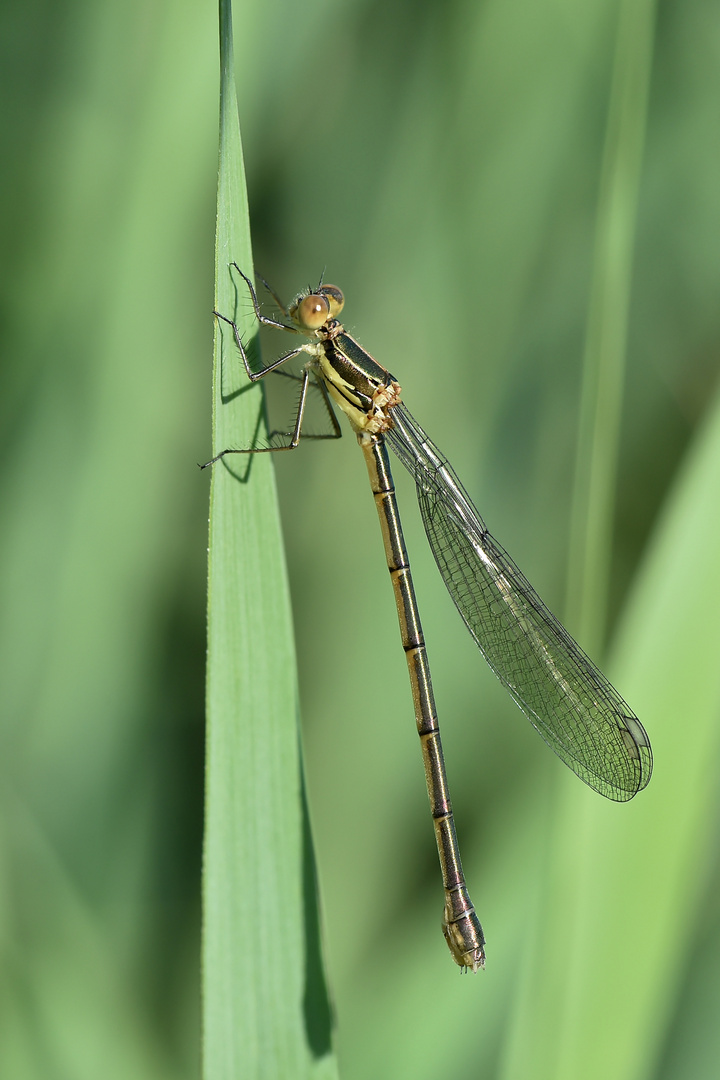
(312, 310)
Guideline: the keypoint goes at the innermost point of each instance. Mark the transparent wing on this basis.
(566, 698)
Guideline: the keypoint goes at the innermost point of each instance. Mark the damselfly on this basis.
(565, 697)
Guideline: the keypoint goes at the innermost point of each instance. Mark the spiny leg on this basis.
(294, 440)
(256, 305)
(320, 386)
(275, 297)
(254, 376)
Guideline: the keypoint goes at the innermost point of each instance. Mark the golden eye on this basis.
(312, 311)
(335, 299)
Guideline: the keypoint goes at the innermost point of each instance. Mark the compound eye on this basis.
(313, 311)
(335, 299)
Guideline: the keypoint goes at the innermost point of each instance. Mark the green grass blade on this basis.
(266, 1011)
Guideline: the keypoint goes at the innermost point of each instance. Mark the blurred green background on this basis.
(441, 163)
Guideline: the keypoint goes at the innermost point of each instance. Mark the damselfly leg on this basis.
(308, 380)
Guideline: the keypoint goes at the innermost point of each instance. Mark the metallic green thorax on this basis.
(362, 388)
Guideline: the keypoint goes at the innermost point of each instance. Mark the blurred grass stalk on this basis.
(266, 1011)
(604, 359)
(99, 389)
(615, 928)
(599, 988)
